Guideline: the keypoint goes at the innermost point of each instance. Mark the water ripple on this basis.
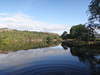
(51, 68)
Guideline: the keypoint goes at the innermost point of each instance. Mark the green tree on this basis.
(94, 11)
(64, 35)
(79, 32)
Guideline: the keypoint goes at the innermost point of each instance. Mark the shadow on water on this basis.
(88, 55)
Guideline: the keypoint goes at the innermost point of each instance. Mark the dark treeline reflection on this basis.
(88, 55)
(5, 48)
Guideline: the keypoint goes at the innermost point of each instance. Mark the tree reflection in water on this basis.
(90, 56)
(17, 46)
(65, 47)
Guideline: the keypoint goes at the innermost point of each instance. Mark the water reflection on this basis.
(6, 48)
(48, 59)
(65, 47)
(90, 56)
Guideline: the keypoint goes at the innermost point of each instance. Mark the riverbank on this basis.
(77, 43)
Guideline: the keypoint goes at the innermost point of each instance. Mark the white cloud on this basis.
(22, 21)
(2, 14)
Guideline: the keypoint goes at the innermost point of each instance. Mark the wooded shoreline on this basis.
(77, 43)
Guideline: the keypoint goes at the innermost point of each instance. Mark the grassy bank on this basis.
(10, 36)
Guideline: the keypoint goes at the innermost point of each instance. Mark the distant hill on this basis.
(10, 36)
(5, 29)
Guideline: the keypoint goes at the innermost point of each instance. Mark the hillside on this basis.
(9, 36)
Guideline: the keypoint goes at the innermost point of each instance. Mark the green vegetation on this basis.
(13, 40)
(9, 37)
(64, 35)
(79, 32)
(94, 11)
(81, 36)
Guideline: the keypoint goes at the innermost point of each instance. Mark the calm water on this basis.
(56, 60)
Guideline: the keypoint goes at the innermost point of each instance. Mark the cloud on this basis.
(22, 21)
(2, 14)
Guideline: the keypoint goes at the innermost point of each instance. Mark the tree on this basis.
(82, 33)
(78, 31)
(94, 11)
(64, 35)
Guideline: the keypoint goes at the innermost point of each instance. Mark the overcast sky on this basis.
(43, 15)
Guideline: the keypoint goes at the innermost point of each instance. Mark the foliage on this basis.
(69, 36)
(79, 32)
(90, 34)
(94, 11)
(64, 35)
(26, 36)
(82, 33)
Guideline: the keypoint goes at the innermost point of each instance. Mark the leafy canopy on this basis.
(82, 33)
(78, 30)
(94, 11)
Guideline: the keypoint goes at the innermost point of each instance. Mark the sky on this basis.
(54, 16)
